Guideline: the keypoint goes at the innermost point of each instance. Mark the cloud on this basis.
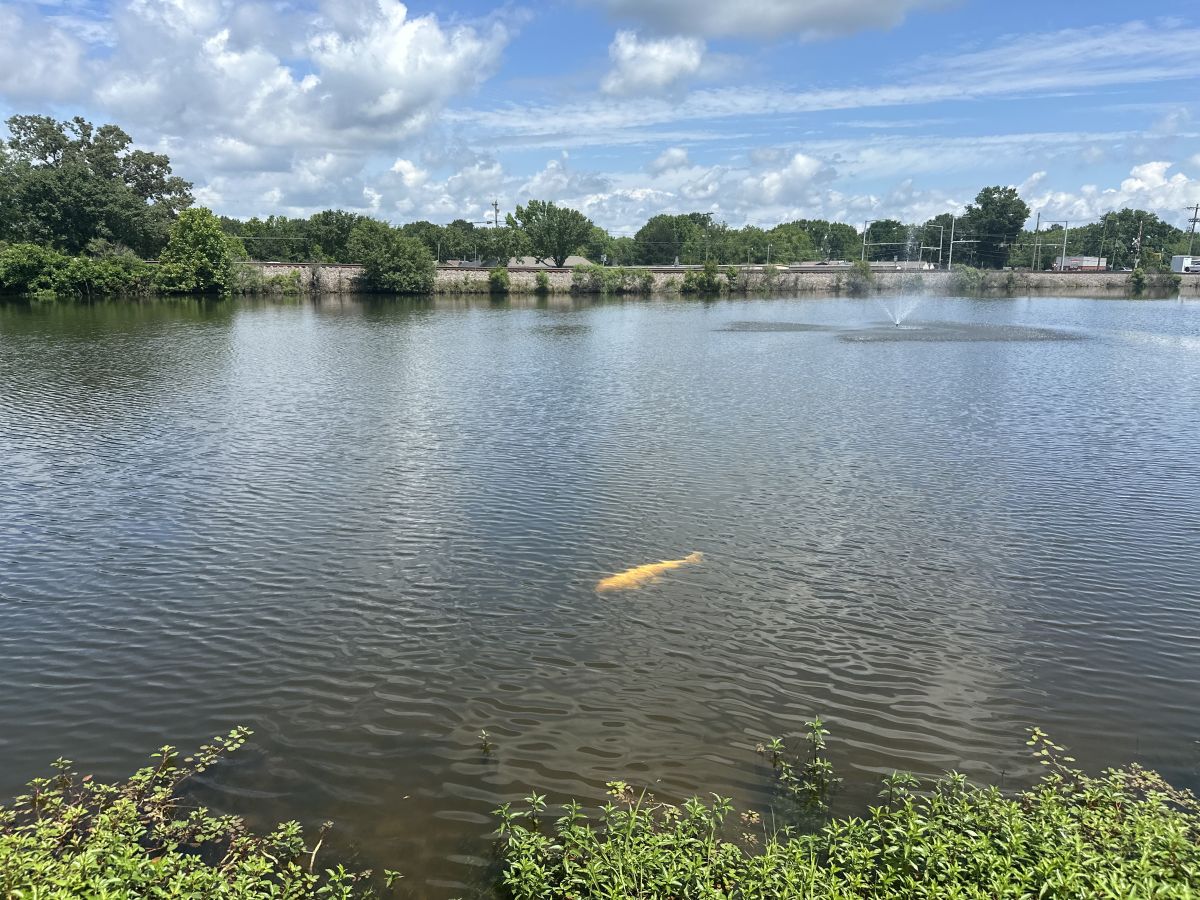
(651, 66)
(1150, 185)
(810, 19)
(788, 183)
(1131, 54)
(39, 59)
(669, 160)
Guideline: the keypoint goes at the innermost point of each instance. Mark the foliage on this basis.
(860, 278)
(703, 281)
(498, 282)
(27, 268)
(592, 279)
(73, 836)
(199, 258)
(542, 283)
(996, 220)
(807, 778)
(33, 269)
(1125, 833)
(251, 280)
(966, 280)
(553, 232)
(322, 237)
(391, 260)
(64, 184)
(1137, 281)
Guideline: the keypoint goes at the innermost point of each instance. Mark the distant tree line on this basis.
(81, 211)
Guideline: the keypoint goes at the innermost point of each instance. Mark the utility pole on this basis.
(1137, 246)
(866, 228)
(496, 215)
(1063, 264)
(1195, 211)
(1103, 237)
(950, 261)
(1035, 256)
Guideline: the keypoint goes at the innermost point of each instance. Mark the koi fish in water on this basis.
(639, 575)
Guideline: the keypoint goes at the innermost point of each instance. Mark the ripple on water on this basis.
(370, 531)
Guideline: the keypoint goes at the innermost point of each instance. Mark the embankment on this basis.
(336, 279)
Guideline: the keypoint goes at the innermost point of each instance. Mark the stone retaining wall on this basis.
(337, 279)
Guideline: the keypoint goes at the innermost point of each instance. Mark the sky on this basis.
(757, 112)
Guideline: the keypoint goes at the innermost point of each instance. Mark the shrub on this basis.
(199, 257)
(498, 281)
(542, 282)
(1137, 281)
(29, 268)
(36, 270)
(703, 281)
(966, 280)
(77, 837)
(860, 278)
(391, 260)
(85, 276)
(592, 279)
(1124, 833)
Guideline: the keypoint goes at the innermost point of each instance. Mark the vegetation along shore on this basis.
(1125, 833)
(84, 214)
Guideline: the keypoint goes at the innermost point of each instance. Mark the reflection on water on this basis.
(370, 530)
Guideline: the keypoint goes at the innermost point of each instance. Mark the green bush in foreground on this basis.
(1123, 834)
(73, 837)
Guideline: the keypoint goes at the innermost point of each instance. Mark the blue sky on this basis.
(757, 112)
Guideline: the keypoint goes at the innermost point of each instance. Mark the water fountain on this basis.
(900, 308)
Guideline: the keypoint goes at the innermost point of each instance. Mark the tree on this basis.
(66, 183)
(689, 238)
(499, 245)
(391, 260)
(553, 232)
(199, 257)
(890, 239)
(995, 220)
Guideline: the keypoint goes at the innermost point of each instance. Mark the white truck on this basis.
(1185, 265)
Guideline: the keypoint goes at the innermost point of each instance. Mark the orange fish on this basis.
(639, 575)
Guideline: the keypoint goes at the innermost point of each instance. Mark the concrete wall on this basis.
(337, 279)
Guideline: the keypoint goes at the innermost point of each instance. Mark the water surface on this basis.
(369, 530)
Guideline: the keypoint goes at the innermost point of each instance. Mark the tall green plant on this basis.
(72, 836)
(391, 260)
(200, 258)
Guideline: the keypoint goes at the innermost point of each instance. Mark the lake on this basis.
(369, 529)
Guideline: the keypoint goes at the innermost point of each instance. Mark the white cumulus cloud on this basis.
(651, 65)
(669, 160)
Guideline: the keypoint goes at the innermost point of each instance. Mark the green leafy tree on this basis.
(890, 239)
(500, 245)
(995, 221)
(200, 258)
(66, 183)
(554, 232)
(689, 238)
(391, 260)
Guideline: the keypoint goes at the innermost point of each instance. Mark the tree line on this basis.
(81, 210)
